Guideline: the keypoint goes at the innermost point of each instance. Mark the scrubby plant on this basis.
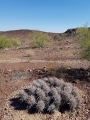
(86, 53)
(8, 42)
(39, 39)
(83, 37)
(49, 95)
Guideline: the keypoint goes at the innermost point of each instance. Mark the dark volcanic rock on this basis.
(71, 32)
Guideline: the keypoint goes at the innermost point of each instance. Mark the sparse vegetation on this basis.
(39, 39)
(83, 37)
(8, 42)
(49, 95)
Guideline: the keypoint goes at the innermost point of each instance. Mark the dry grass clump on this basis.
(49, 95)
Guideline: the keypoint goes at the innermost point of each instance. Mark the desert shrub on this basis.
(8, 42)
(83, 37)
(15, 41)
(86, 53)
(39, 39)
(49, 95)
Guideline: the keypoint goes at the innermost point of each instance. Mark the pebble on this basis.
(29, 70)
(87, 111)
(6, 49)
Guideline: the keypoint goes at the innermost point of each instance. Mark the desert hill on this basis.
(24, 35)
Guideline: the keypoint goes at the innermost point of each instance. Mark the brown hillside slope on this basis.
(24, 35)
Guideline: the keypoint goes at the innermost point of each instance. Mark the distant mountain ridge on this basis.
(24, 34)
(2, 31)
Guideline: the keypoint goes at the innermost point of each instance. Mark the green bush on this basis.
(86, 53)
(83, 37)
(8, 42)
(39, 39)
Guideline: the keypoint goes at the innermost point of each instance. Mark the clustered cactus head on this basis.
(50, 94)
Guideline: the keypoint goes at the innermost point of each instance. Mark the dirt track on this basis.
(18, 63)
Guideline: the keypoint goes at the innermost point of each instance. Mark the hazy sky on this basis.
(45, 15)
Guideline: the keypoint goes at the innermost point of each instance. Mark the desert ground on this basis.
(19, 66)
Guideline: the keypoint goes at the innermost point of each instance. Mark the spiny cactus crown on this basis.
(50, 94)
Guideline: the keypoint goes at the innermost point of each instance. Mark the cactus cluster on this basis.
(49, 95)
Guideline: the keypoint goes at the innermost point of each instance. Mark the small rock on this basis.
(69, 68)
(87, 111)
(5, 108)
(19, 47)
(9, 70)
(27, 55)
(44, 67)
(5, 72)
(29, 70)
(33, 68)
(61, 48)
(19, 76)
(6, 49)
(75, 81)
(54, 48)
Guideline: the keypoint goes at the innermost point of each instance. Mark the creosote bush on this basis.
(8, 42)
(83, 37)
(49, 95)
(39, 39)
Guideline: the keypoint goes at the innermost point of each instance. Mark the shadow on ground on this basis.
(69, 75)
